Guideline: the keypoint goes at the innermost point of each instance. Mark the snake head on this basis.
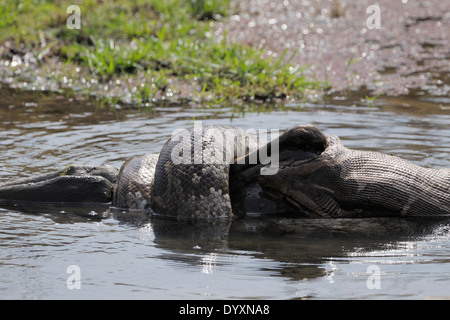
(306, 155)
(306, 138)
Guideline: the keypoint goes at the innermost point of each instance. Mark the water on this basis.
(135, 257)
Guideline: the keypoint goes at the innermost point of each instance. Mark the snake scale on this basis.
(197, 175)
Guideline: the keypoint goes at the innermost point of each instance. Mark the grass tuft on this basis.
(160, 41)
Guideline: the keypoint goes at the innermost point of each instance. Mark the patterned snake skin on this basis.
(318, 176)
(341, 182)
(195, 188)
(196, 170)
(134, 183)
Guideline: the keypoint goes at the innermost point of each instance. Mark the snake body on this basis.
(342, 182)
(134, 183)
(197, 187)
(192, 176)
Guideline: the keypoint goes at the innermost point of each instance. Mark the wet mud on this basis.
(340, 41)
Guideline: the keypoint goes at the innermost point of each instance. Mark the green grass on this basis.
(370, 101)
(159, 40)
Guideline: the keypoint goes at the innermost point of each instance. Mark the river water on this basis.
(46, 249)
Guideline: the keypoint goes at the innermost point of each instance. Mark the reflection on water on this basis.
(132, 255)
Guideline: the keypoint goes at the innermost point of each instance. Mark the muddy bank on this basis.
(408, 55)
(410, 50)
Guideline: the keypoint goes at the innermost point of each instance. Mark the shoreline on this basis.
(408, 54)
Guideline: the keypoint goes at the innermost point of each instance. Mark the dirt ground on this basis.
(410, 51)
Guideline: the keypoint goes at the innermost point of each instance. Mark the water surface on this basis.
(123, 256)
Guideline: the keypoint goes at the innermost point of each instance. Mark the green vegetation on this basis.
(68, 168)
(155, 46)
(370, 101)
